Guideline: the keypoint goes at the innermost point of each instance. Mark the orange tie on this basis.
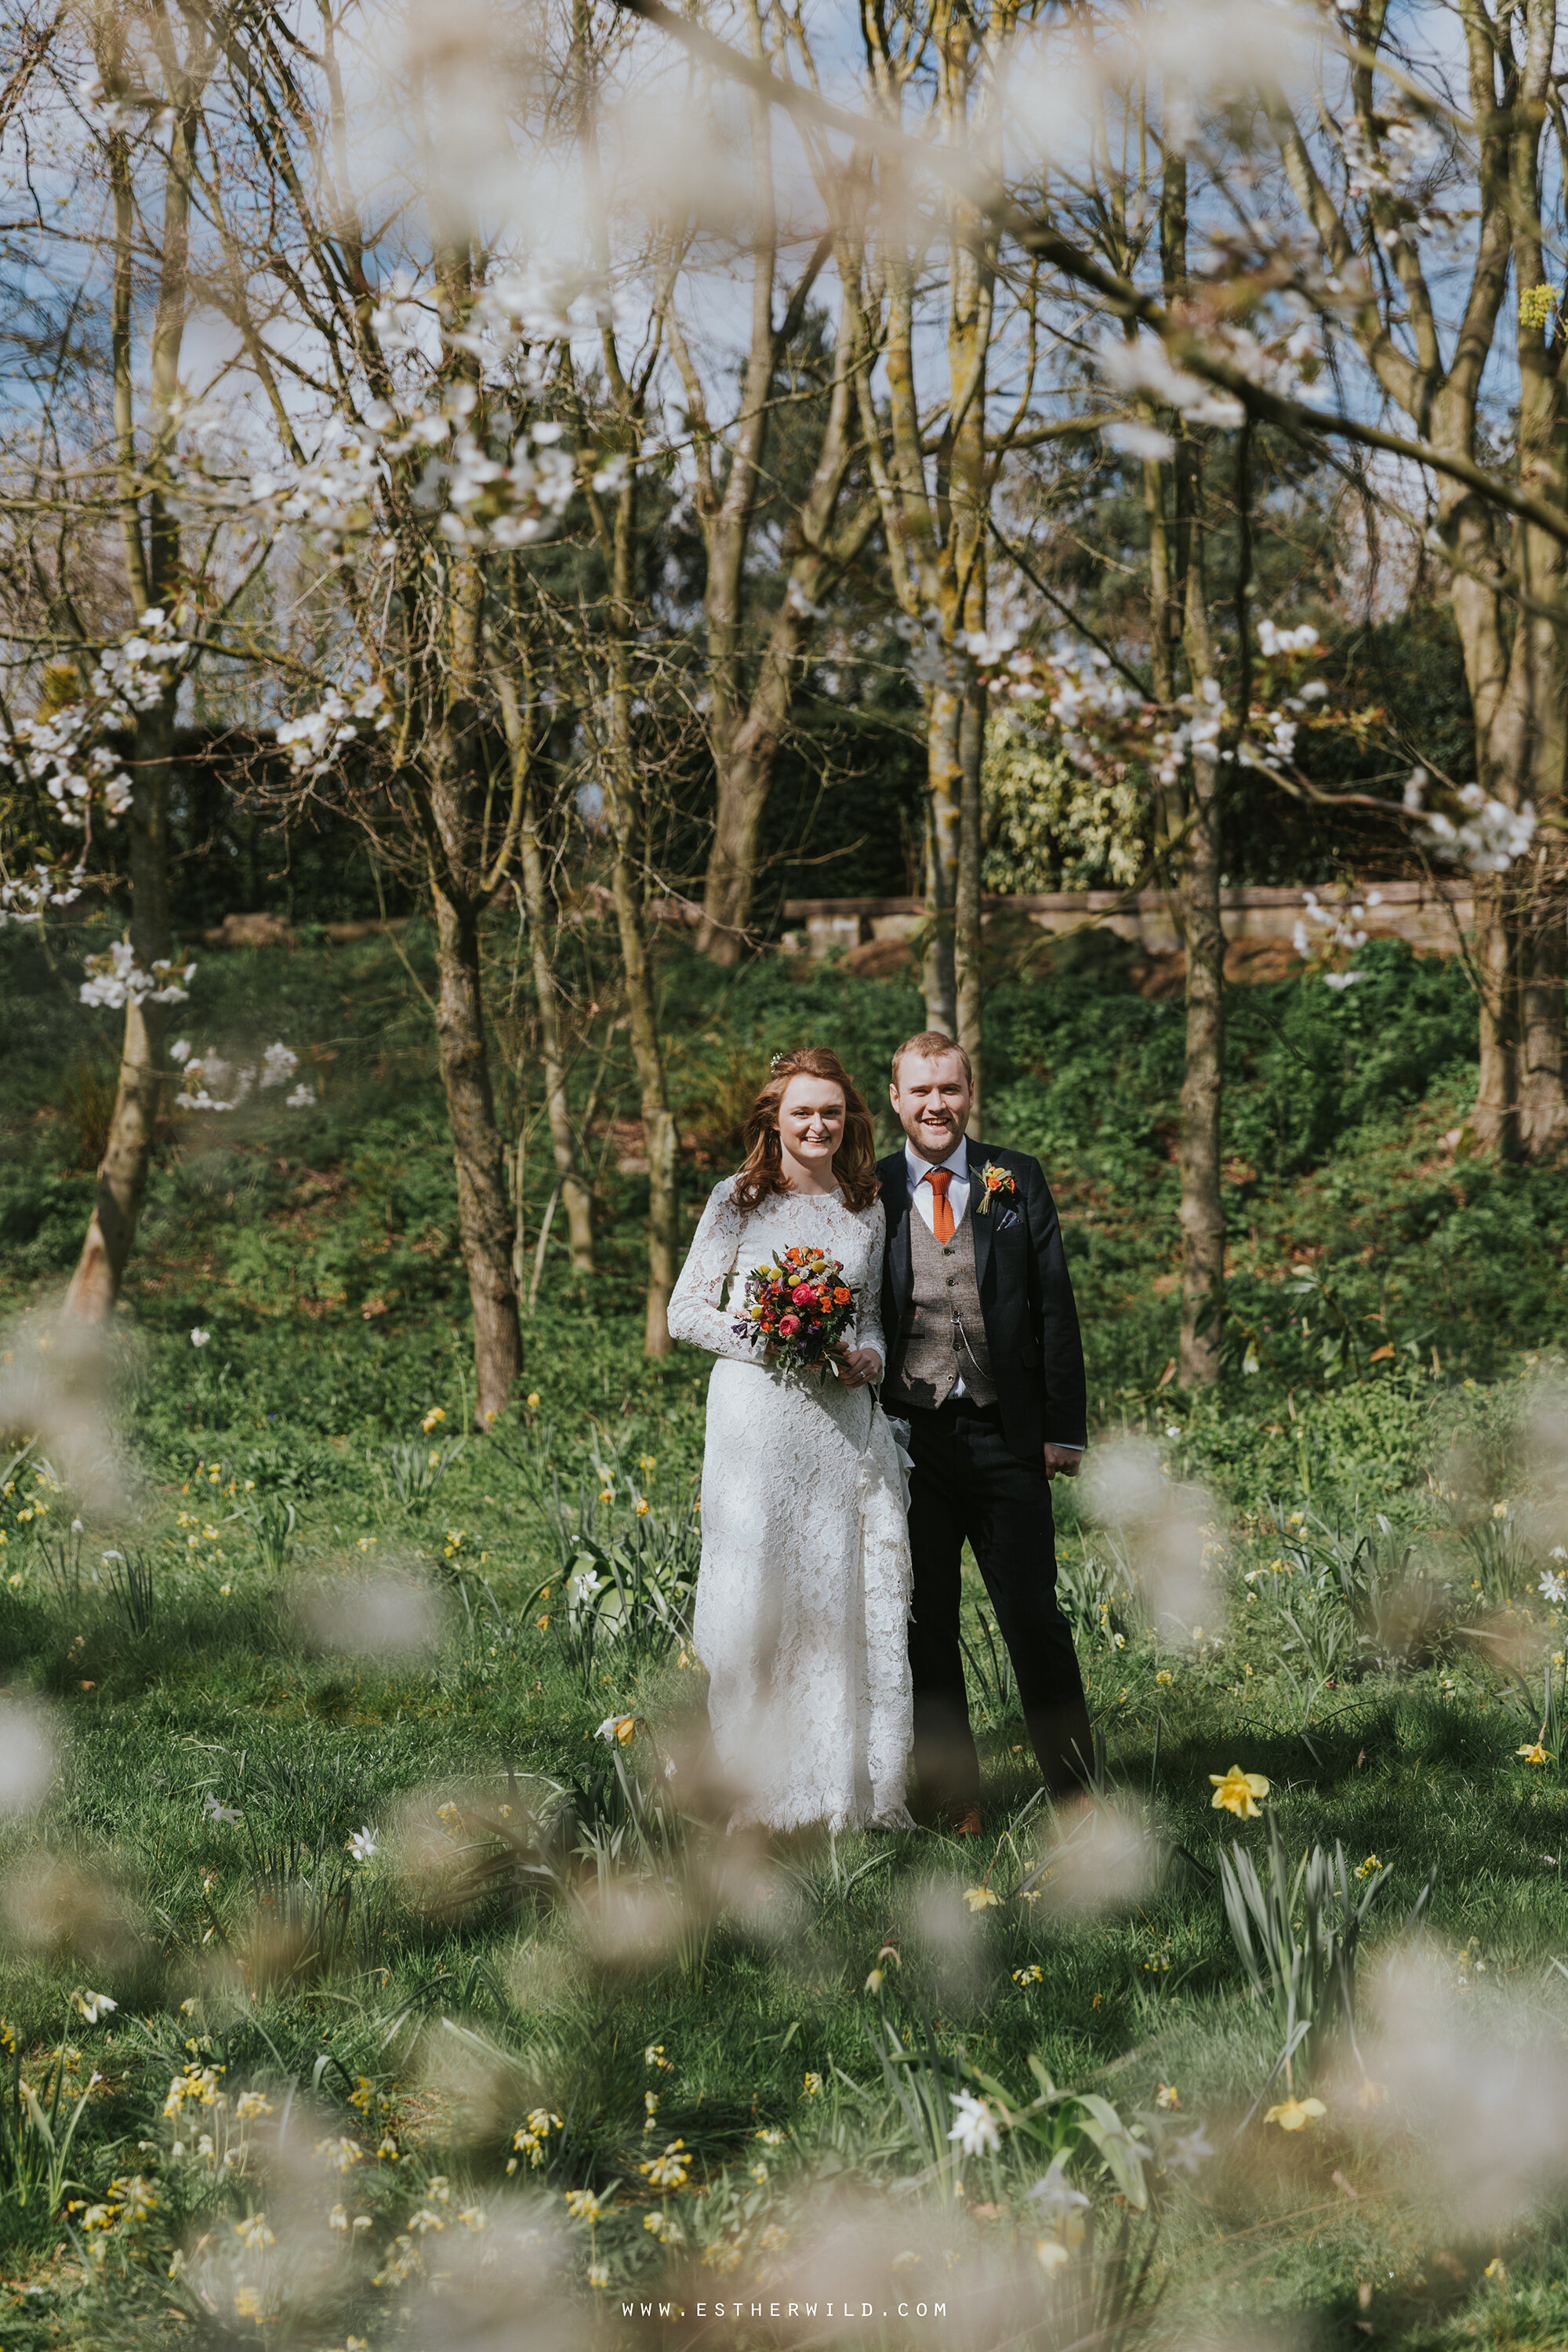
(942, 1207)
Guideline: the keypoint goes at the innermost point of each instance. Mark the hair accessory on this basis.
(774, 1064)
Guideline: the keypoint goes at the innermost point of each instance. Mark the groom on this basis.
(985, 1359)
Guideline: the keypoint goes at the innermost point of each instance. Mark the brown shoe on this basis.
(963, 1821)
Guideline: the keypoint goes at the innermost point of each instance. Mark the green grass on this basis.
(551, 1925)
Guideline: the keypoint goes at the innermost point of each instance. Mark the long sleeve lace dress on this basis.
(804, 1595)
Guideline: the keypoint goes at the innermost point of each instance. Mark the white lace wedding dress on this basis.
(804, 1595)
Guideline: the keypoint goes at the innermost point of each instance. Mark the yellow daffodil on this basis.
(1167, 2096)
(1238, 1792)
(1365, 1869)
(981, 1898)
(1295, 2115)
(1533, 1753)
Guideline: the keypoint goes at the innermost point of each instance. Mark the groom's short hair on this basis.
(929, 1046)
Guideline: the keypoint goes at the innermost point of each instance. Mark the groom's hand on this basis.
(1065, 1458)
(857, 1367)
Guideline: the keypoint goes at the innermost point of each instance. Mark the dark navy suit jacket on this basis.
(1026, 1296)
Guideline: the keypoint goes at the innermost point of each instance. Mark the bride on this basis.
(802, 1598)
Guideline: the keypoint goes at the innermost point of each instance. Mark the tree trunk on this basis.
(1497, 1092)
(744, 774)
(944, 805)
(128, 1155)
(1203, 1214)
(658, 1126)
(484, 1220)
(577, 1199)
(1542, 1119)
(1203, 1207)
(626, 816)
(968, 944)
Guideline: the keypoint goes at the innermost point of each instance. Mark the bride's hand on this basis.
(858, 1367)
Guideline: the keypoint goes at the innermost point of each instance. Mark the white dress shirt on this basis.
(923, 1199)
(921, 1194)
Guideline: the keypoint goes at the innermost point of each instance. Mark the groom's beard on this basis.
(935, 1148)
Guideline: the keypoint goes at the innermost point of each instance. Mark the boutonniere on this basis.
(993, 1179)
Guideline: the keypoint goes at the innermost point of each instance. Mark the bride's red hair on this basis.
(854, 1163)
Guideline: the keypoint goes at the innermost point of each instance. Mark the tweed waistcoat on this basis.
(947, 1330)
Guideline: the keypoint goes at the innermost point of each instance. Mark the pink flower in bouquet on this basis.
(802, 1294)
(788, 1326)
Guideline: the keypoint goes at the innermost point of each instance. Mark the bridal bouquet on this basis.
(800, 1307)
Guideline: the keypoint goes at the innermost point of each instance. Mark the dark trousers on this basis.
(967, 1483)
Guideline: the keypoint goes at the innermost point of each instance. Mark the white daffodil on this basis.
(974, 2129)
(1190, 2149)
(1054, 2198)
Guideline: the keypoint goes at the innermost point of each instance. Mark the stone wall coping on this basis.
(1110, 902)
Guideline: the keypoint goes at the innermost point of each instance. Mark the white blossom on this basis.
(1273, 642)
(313, 739)
(213, 1084)
(1490, 838)
(216, 1812)
(116, 979)
(974, 2128)
(1135, 440)
(25, 900)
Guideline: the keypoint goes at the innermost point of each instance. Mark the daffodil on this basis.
(974, 2126)
(1533, 1753)
(1238, 1792)
(1295, 2115)
(981, 1898)
(617, 1728)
